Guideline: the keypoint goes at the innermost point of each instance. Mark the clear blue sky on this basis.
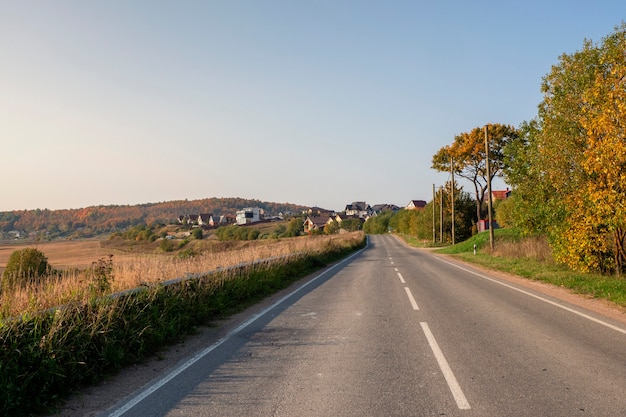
(309, 102)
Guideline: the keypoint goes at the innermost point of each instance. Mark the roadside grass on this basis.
(532, 259)
(46, 353)
(421, 243)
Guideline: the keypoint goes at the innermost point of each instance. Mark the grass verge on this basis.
(45, 355)
(531, 259)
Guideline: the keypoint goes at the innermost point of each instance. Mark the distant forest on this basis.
(96, 220)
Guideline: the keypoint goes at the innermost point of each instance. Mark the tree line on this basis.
(569, 166)
(566, 166)
(91, 221)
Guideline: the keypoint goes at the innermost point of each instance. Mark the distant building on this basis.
(318, 211)
(358, 208)
(207, 219)
(379, 208)
(483, 225)
(500, 194)
(249, 215)
(316, 223)
(416, 205)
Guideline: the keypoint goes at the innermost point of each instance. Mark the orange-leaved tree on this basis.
(467, 157)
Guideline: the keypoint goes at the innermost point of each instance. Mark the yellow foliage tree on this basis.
(582, 153)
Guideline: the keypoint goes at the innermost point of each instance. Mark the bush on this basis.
(25, 266)
(166, 245)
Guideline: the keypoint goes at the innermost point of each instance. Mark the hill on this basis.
(95, 220)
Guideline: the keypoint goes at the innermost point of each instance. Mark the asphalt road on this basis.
(395, 331)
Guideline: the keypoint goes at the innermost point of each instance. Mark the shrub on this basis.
(101, 276)
(166, 245)
(197, 233)
(25, 266)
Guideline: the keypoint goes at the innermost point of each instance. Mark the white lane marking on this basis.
(177, 371)
(453, 384)
(395, 269)
(401, 278)
(571, 310)
(411, 299)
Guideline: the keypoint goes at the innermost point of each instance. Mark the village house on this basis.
(313, 223)
(358, 208)
(379, 208)
(341, 217)
(190, 219)
(249, 215)
(416, 205)
(206, 219)
(500, 194)
(318, 211)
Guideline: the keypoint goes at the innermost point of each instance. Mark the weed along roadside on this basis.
(531, 258)
(47, 355)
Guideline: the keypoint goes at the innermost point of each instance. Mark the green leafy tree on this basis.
(504, 212)
(295, 227)
(331, 228)
(378, 224)
(25, 266)
(351, 225)
(197, 233)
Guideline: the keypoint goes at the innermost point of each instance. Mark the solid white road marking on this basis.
(401, 279)
(167, 378)
(571, 310)
(453, 384)
(411, 299)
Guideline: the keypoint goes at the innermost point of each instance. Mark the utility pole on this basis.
(434, 235)
(452, 195)
(489, 202)
(441, 214)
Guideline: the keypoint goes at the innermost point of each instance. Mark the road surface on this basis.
(395, 331)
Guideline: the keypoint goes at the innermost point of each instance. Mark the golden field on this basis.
(135, 265)
(61, 254)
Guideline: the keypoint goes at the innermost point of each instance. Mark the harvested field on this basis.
(135, 264)
(61, 254)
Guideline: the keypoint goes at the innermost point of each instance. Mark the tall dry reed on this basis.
(132, 271)
(536, 248)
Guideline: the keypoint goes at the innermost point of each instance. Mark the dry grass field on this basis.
(135, 265)
(62, 254)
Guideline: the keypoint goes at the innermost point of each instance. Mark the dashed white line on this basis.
(411, 299)
(401, 278)
(453, 384)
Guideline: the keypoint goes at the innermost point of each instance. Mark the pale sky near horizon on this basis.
(318, 103)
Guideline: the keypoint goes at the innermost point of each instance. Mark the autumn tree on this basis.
(573, 158)
(467, 158)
